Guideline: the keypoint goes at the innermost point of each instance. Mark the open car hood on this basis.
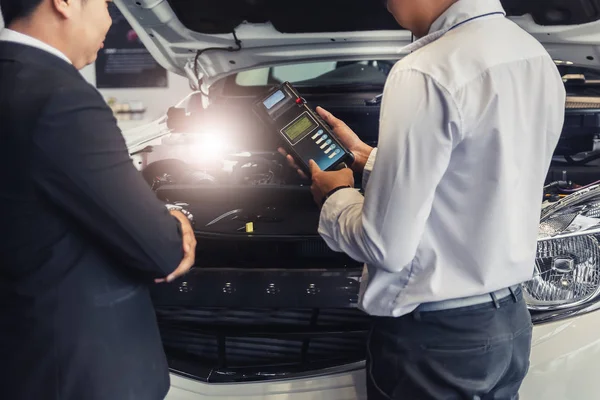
(180, 32)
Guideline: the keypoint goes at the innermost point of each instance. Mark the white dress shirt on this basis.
(9, 35)
(469, 122)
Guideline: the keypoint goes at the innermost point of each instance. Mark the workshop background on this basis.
(131, 82)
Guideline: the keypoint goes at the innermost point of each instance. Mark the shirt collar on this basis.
(460, 12)
(9, 35)
(463, 10)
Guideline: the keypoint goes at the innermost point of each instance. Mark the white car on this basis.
(269, 312)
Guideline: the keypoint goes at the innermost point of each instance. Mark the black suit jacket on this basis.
(82, 237)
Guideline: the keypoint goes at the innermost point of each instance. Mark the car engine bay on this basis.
(268, 299)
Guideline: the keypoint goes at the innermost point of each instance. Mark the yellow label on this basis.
(249, 227)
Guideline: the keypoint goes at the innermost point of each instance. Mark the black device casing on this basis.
(304, 148)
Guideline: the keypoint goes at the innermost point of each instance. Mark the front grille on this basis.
(217, 252)
(226, 344)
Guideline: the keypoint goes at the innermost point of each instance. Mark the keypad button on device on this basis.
(316, 135)
(324, 137)
(327, 143)
(335, 153)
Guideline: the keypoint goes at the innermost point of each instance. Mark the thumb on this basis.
(328, 117)
(314, 167)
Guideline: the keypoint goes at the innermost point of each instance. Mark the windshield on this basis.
(319, 74)
(372, 74)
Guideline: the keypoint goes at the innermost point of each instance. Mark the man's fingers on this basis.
(291, 161)
(296, 167)
(189, 249)
(328, 117)
(189, 237)
(183, 268)
(188, 245)
(314, 167)
(288, 157)
(348, 172)
(293, 164)
(189, 240)
(180, 270)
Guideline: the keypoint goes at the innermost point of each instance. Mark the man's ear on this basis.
(63, 7)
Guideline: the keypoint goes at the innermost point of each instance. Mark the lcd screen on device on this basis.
(274, 99)
(299, 127)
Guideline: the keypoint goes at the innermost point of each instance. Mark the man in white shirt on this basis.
(448, 224)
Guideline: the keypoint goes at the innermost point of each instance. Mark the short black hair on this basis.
(17, 9)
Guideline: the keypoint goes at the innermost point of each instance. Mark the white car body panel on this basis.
(347, 386)
(174, 46)
(564, 359)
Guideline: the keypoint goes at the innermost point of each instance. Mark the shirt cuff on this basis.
(368, 168)
(333, 208)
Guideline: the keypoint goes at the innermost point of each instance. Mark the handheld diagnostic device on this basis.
(305, 135)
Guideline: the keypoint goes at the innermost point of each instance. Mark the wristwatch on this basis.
(181, 207)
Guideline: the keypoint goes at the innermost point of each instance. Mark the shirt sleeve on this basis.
(368, 168)
(81, 165)
(420, 126)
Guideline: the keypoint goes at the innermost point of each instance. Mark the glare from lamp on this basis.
(210, 146)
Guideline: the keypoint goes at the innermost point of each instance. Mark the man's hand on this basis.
(189, 248)
(348, 138)
(324, 182)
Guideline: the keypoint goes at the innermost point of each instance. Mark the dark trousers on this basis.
(478, 352)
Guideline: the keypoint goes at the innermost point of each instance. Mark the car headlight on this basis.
(567, 266)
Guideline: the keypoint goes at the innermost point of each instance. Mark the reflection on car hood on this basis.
(275, 32)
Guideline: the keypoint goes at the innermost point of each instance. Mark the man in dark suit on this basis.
(82, 236)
